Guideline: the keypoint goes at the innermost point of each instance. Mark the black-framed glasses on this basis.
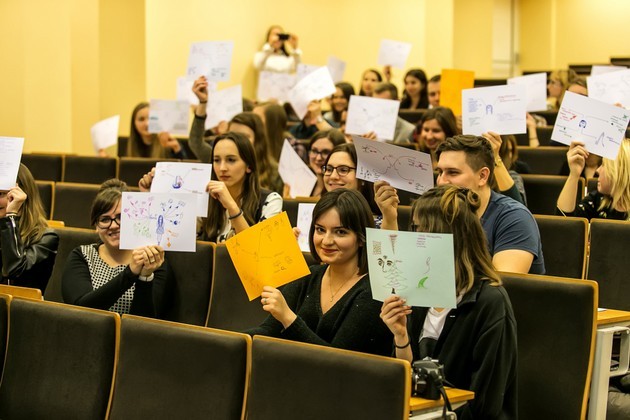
(342, 170)
(105, 222)
(323, 153)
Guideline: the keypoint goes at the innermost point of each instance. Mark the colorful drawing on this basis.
(184, 177)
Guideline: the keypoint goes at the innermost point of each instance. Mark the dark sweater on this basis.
(353, 323)
(478, 350)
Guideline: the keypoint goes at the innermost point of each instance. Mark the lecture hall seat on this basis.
(73, 202)
(543, 160)
(565, 245)
(44, 166)
(89, 169)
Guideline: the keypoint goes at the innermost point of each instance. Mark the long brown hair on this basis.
(452, 209)
(250, 195)
(136, 147)
(32, 217)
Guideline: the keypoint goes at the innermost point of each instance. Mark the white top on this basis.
(268, 60)
(434, 322)
(271, 207)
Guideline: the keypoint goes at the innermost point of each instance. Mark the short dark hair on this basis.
(435, 79)
(107, 197)
(335, 136)
(478, 151)
(387, 87)
(354, 214)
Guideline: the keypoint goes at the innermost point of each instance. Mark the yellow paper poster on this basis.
(452, 82)
(267, 254)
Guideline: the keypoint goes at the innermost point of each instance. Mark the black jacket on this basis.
(478, 350)
(26, 266)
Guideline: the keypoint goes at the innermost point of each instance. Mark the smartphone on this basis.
(284, 37)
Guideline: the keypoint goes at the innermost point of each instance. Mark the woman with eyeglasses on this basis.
(320, 147)
(476, 340)
(103, 276)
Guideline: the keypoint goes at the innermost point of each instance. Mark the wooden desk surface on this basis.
(612, 316)
(454, 395)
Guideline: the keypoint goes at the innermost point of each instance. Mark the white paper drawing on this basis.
(10, 156)
(599, 70)
(419, 267)
(599, 125)
(304, 70)
(167, 220)
(314, 86)
(184, 178)
(337, 68)
(274, 85)
(295, 173)
(105, 133)
(405, 169)
(212, 59)
(393, 53)
(611, 88)
(495, 108)
(366, 114)
(168, 115)
(535, 89)
(223, 105)
(304, 218)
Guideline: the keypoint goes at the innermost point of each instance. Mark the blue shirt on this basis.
(510, 225)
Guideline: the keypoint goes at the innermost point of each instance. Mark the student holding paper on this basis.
(141, 143)
(332, 306)
(313, 121)
(103, 276)
(415, 94)
(611, 200)
(280, 52)
(404, 129)
(339, 104)
(28, 248)
(476, 341)
(274, 118)
(320, 147)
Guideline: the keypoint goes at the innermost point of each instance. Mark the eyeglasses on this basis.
(323, 153)
(342, 170)
(105, 222)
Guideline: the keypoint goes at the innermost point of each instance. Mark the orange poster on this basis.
(267, 254)
(452, 82)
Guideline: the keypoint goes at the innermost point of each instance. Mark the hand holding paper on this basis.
(10, 156)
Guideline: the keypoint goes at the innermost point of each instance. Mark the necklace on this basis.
(333, 294)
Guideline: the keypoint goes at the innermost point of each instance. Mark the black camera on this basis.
(284, 37)
(427, 377)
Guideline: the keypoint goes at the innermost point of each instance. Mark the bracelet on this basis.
(203, 102)
(403, 347)
(240, 212)
(146, 278)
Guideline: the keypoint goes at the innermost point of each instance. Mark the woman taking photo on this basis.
(415, 95)
(280, 52)
(332, 306)
(476, 341)
(103, 276)
(611, 200)
(27, 246)
(144, 144)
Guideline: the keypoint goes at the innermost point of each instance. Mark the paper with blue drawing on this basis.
(417, 266)
(168, 115)
(10, 156)
(501, 109)
(163, 219)
(295, 173)
(366, 114)
(403, 168)
(212, 59)
(600, 126)
(184, 178)
(223, 105)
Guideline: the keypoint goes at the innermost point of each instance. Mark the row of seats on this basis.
(90, 364)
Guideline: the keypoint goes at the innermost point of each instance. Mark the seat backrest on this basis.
(609, 263)
(73, 202)
(175, 371)
(60, 361)
(549, 116)
(23, 292)
(69, 239)
(89, 169)
(564, 242)
(193, 284)
(291, 207)
(44, 167)
(411, 115)
(131, 170)
(556, 322)
(46, 191)
(543, 190)
(230, 308)
(5, 304)
(544, 135)
(296, 380)
(591, 185)
(543, 160)
(404, 217)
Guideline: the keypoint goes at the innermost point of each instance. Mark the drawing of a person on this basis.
(582, 123)
(489, 110)
(160, 229)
